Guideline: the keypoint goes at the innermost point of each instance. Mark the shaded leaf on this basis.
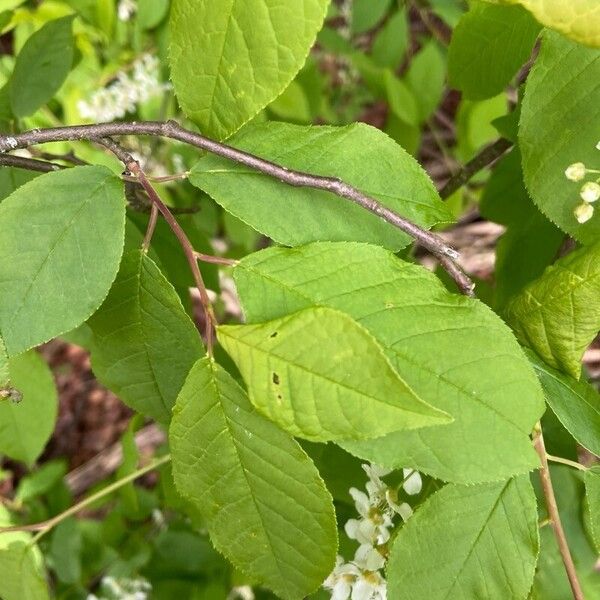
(575, 403)
(41, 67)
(592, 491)
(26, 426)
(144, 342)
(556, 315)
(489, 45)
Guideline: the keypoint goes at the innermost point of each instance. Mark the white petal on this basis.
(575, 172)
(405, 511)
(362, 590)
(341, 590)
(590, 192)
(361, 502)
(367, 558)
(583, 212)
(351, 528)
(413, 483)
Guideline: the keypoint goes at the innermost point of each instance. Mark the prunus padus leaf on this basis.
(361, 155)
(575, 403)
(144, 342)
(489, 45)
(577, 19)
(266, 508)
(12, 178)
(41, 67)
(22, 575)
(27, 424)
(592, 494)
(321, 376)
(557, 315)
(441, 344)
(468, 542)
(61, 243)
(230, 58)
(4, 374)
(560, 125)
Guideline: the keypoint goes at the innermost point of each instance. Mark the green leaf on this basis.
(560, 125)
(550, 578)
(575, 403)
(531, 241)
(144, 342)
(41, 67)
(4, 372)
(321, 376)
(557, 314)
(361, 155)
(22, 574)
(61, 243)
(26, 426)
(592, 494)
(426, 77)
(389, 46)
(468, 542)
(438, 342)
(12, 178)
(267, 509)
(65, 551)
(41, 481)
(489, 45)
(230, 59)
(577, 19)
(367, 13)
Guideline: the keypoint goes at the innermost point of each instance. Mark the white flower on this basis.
(124, 94)
(368, 558)
(126, 9)
(576, 171)
(370, 586)
(341, 579)
(413, 484)
(598, 146)
(590, 192)
(241, 592)
(584, 212)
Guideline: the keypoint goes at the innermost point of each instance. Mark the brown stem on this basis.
(216, 260)
(31, 164)
(134, 168)
(150, 228)
(172, 130)
(554, 516)
(486, 157)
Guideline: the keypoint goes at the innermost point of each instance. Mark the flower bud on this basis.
(583, 212)
(590, 192)
(575, 172)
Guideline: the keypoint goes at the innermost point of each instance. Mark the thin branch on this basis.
(566, 461)
(554, 516)
(172, 130)
(216, 260)
(133, 167)
(485, 158)
(31, 164)
(69, 157)
(150, 228)
(45, 526)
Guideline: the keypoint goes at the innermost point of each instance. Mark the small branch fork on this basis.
(132, 166)
(170, 129)
(554, 516)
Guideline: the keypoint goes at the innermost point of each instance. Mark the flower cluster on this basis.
(125, 93)
(361, 578)
(122, 588)
(589, 192)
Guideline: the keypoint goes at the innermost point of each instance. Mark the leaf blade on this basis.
(240, 470)
(321, 376)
